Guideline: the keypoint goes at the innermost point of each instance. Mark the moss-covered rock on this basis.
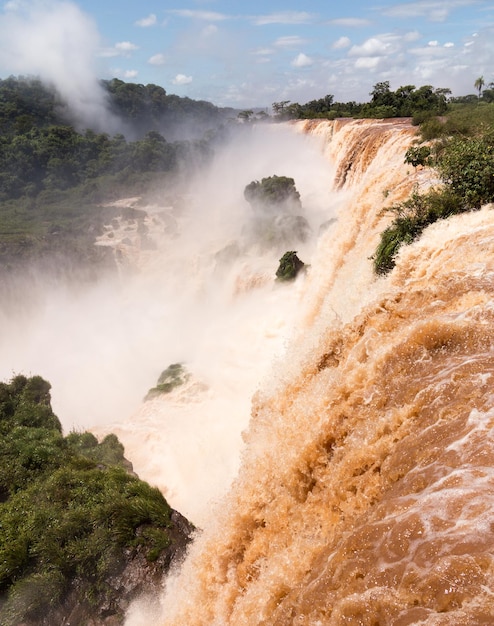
(76, 523)
(174, 376)
(273, 192)
(290, 266)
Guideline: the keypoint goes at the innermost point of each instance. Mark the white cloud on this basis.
(145, 22)
(367, 62)
(449, 45)
(284, 17)
(130, 73)
(125, 47)
(122, 48)
(371, 47)
(350, 22)
(157, 59)
(209, 30)
(433, 43)
(302, 60)
(433, 10)
(263, 51)
(289, 40)
(209, 16)
(13, 5)
(342, 42)
(182, 79)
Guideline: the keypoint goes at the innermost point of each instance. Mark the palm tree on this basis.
(479, 83)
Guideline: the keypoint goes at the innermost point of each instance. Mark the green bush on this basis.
(71, 514)
(467, 167)
(463, 155)
(273, 191)
(290, 265)
(412, 216)
(173, 376)
(418, 155)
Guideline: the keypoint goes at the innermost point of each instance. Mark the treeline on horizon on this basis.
(407, 101)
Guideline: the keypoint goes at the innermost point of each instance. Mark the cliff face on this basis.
(366, 490)
(81, 534)
(135, 577)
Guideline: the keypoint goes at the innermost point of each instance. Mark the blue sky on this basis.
(246, 54)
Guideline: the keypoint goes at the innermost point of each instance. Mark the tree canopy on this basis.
(406, 101)
(273, 191)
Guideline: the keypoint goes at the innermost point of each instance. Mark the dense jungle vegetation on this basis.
(73, 516)
(406, 101)
(54, 177)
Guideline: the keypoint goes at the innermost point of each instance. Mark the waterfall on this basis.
(365, 491)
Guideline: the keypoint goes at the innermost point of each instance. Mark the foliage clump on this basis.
(289, 267)
(463, 156)
(72, 515)
(277, 208)
(412, 217)
(173, 376)
(418, 155)
(273, 192)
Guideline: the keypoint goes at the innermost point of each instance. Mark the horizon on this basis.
(205, 50)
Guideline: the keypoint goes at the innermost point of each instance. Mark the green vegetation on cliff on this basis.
(461, 150)
(278, 212)
(73, 516)
(175, 375)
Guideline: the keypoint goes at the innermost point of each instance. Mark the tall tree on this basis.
(479, 83)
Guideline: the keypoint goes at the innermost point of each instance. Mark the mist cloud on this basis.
(57, 42)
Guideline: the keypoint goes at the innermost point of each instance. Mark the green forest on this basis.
(54, 177)
(407, 101)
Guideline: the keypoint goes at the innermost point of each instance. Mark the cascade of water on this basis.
(365, 492)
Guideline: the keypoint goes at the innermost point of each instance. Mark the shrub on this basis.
(290, 266)
(418, 155)
(174, 376)
(274, 191)
(412, 216)
(467, 166)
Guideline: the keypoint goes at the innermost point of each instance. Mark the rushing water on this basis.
(365, 493)
(334, 441)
